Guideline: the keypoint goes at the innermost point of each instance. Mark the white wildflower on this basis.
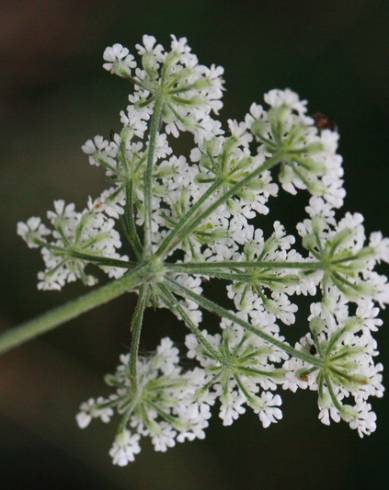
(124, 448)
(200, 218)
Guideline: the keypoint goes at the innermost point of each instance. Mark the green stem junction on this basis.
(151, 275)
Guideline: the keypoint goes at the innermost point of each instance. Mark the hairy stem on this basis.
(129, 215)
(187, 216)
(175, 307)
(56, 317)
(131, 231)
(136, 329)
(148, 179)
(179, 234)
(334, 398)
(224, 313)
(244, 277)
(228, 265)
(98, 259)
(103, 261)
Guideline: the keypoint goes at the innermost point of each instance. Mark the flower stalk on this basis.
(73, 309)
(221, 312)
(148, 179)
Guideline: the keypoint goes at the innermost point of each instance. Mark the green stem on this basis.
(177, 235)
(132, 233)
(243, 389)
(334, 398)
(224, 313)
(136, 329)
(205, 267)
(53, 318)
(100, 260)
(148, 179)
(187, 216)
(129, 215)
(249, 278)
(103, 261)
(172, 303)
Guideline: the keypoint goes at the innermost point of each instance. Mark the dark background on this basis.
(53, 96)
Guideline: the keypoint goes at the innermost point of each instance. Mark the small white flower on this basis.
(124, 448)
(277, 98)
(231, 407)
(163, 438)
(363, 420)
(268, 409)
(33, 232)
(94, 409)
(118, 60)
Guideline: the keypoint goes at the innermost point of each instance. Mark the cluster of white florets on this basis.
(236, 367)
(192, 90)
(90, 232)
(166, 408)
(350, 376)
(350, 262)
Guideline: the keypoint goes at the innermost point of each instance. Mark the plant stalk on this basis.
(148, 178)
(53, 318)
(136, 329)
(224, 313)
(228, 265)
(172, 303)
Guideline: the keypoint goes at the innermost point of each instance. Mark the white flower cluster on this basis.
(239, 366)
(192, 91)
(74, 236)
(252, 293)
(340, 246)
(308, 156)
(202, 214)
(166, 407)
(349, 375)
